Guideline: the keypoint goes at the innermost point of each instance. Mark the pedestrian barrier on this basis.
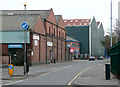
(115, 59)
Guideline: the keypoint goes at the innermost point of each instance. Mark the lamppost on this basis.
(111, 23)
(25, 40)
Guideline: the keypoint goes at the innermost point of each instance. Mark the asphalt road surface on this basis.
(58, 73)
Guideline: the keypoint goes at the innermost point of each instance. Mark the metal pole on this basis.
(25, 41)
(111, 23)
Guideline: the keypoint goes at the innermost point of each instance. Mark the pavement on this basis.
(95, 77)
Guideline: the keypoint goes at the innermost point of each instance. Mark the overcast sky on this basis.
(69, 9)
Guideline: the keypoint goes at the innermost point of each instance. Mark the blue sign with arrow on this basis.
(24, 25)
(10, 67)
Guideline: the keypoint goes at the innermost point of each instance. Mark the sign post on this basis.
(25, 26)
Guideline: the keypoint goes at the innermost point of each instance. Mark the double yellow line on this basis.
(78, 75)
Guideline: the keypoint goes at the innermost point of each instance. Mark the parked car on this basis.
(100, 58)
(91, 58)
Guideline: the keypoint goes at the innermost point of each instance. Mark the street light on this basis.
(111, 23)
(25, 40)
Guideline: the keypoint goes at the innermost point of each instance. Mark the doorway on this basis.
(17, 56)
(51, 59)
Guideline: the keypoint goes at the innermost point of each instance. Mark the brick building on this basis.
(45, 38)
(72, 43)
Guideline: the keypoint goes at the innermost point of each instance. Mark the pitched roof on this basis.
(12, 19)
(14, 22)
(57, 17)
(77, 22)
(71, 39)
(43, 13)
(98, 23)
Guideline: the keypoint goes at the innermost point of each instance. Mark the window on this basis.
(78, 46)
(59, 33)
(76, 20)
(54, 32)
(85, 24)
(82, 20)
(71, 21)
(49, 29)
(36, 43)
(72, 45)
(63, 35)
(65, 21)
(68, 24)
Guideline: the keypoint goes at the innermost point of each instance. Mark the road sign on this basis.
(71, 50)
(10, 69)
(68, 45)
(24, 25)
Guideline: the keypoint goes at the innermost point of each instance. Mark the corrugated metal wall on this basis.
(80, 33)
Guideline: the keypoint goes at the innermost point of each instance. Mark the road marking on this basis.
(14, 82)
(67, 67)
(54, 70)
(79, 74)
(44, 74)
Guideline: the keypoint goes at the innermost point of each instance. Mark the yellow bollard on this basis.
(10, 69)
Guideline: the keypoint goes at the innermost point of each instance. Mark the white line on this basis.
(44, 74)
(14, 82)
(67, 67)
(54, 71)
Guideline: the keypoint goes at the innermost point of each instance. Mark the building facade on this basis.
(87, 32)
(72, 43)
(45, 38)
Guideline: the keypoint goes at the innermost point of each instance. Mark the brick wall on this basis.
(4, 59)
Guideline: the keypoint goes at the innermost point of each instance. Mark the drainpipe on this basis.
(61, 49)
(44, 21)
(57, 43)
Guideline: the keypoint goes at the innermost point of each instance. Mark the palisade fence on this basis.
(115, 59)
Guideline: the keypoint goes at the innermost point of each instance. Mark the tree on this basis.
(117, 30)
(115, 36)
(106, 42)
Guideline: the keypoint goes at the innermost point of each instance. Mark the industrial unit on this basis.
(89, 33)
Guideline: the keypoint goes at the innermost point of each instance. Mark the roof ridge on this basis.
(77, 19)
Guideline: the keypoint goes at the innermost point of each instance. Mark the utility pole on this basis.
(111, 23)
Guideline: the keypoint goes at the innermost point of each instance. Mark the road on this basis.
(57, 74)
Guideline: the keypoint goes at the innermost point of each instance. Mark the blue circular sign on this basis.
(24, 25)
(10, 67)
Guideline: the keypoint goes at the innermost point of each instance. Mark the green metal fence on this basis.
(115, 59)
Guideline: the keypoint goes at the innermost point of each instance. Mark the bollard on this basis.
(107, 71)
(27, 67)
